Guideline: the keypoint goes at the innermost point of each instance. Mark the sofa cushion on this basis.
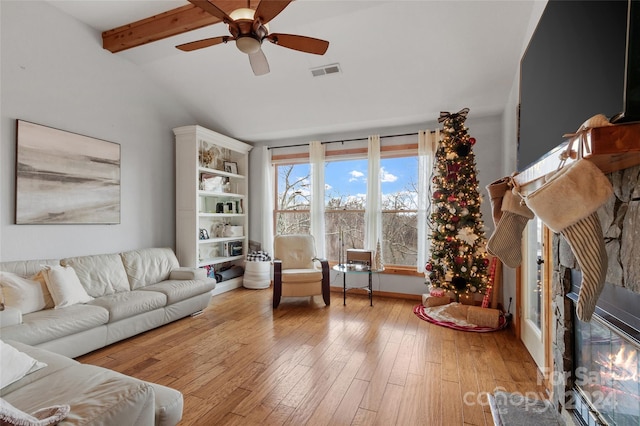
(130, 303)
(50, 324)
(177, 290)
(10, 316)
(27, 268)
(26, 294)
(64, 286)
(101, 274)
(148, 266)
(53, 361)
(15, 364)
(97, 396)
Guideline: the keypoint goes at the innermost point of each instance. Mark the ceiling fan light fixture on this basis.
(247, 44)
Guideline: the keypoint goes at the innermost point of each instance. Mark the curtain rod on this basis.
(344, 140)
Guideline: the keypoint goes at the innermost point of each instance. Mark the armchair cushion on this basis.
(295, 251)
(301, 275)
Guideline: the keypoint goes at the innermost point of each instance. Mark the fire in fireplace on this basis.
(607, 383)
(606, 359)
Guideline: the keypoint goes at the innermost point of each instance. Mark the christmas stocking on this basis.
(496, 191)
(506, 241)
(567, 204)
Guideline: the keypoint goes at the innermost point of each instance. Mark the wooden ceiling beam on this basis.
(163, 25)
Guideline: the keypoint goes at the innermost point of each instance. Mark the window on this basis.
(399, 210)
(345, 196)
(293, 196)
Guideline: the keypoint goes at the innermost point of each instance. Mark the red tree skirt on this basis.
(423, 313)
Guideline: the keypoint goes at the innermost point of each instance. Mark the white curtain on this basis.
(373, 208)
(316, 157)
(267, 200)
(427, 145)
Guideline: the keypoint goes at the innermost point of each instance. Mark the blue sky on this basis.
(349, 177)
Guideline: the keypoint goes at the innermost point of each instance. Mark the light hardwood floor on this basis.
(243, 363)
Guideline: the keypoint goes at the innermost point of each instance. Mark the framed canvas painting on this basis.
(65, 178)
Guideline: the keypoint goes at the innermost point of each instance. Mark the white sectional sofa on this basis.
(59, 308)
(94, 395)
(131, 292)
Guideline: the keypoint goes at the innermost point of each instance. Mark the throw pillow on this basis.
(43, 417)
(15, 364)
(64, 285)
(25, 294)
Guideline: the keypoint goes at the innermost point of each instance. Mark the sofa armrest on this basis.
(186, 273)
(10, 316)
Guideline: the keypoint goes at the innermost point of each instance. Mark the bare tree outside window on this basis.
(345, 206)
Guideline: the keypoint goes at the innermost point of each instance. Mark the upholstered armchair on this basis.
(295, 269)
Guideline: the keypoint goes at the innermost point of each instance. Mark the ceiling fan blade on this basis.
(301, 43)
(199, 44)
(212, 9)
(259, 63)
(269, 9)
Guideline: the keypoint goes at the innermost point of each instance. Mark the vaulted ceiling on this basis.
(401, 62)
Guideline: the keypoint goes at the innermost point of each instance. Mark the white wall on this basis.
(488, 152)
(55, 73)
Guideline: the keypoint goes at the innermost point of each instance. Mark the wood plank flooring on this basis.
(242, 363)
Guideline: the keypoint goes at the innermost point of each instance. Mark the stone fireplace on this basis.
(596, 365)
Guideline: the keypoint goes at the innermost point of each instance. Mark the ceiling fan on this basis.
(249, 29)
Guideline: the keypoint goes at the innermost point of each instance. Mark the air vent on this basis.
(325, 70)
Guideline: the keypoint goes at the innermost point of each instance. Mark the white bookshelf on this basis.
(214, 209)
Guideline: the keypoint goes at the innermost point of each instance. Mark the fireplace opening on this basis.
(606, 361)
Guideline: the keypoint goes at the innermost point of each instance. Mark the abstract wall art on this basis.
(65, 178)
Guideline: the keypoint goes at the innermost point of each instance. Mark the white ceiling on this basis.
(402, 63)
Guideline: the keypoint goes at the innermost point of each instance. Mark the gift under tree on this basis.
(459, 261)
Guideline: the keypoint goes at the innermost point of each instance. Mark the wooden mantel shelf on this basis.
(611, 148)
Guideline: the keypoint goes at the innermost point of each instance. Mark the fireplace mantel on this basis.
(616, 151)
(611, 148)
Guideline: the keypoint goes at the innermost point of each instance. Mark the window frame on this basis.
(386, 151)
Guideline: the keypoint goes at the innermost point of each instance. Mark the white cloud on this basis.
(355, 175)
(386, 176)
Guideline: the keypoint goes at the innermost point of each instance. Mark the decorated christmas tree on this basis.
(459, 261)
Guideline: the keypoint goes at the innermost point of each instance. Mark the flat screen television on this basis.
(573, 68)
